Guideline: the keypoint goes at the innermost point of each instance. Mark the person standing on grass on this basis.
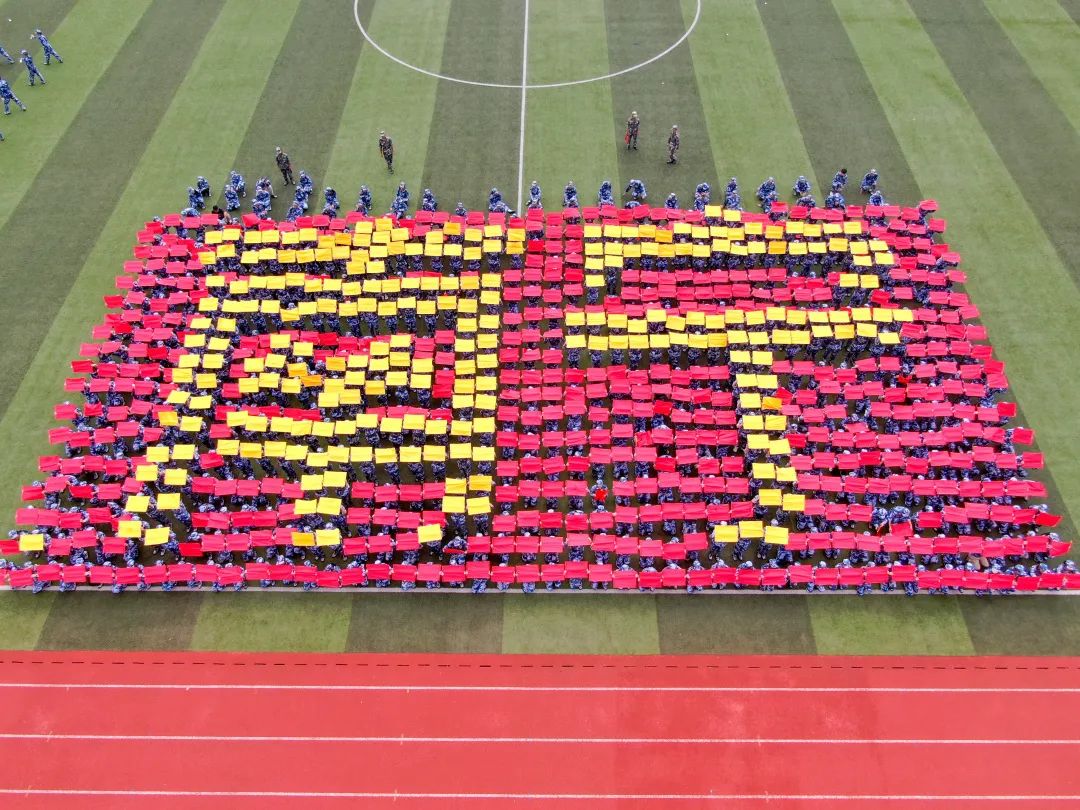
(284, 165)
(5, 55)
(633, 124)
(386, 148)
(31, 68)
(50, 51)
(8, 96)
(673, 145)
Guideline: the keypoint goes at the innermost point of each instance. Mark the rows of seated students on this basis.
(617, 463)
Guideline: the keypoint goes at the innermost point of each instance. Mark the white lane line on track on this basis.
(687, 797)
(840, 690)
(524, 93)
(247, 738)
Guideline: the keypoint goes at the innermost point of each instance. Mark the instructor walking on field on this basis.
(386, 147)
(673, 145)
(285, 165)
(633, 124)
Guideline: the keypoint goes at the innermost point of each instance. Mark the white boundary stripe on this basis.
(525, 740)
(690, 797)
(840, 690)
(371, 41)
(524, 93)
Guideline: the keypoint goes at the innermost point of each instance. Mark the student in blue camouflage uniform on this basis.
(7, 95)
(839, 180)
(605, 196)
(801, 187)
(496, 204)
(460, 210)
(672, 201)
(869, 181)
(570, 199)
(50, 51)
(5, 55)
(305, 184)
(428, 201)
(232, 199)
(400, 206)
(876, 198)
(31, 69)
(195, 199)
(332, 205)
(363, 201)
(202, 185)
(535, 196)
(835, 200)
(236, 180)
(637, 191)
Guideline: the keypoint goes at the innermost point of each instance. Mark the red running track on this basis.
(183, 730)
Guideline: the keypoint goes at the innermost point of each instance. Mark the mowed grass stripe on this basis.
(957, 163)
(425, 623)
(581, 624)
(751, 124)
(95, 34)
(568, 129)
(663, 93)
(100, 621)
(204, 110)
(1015, 275)
(355, 158)
(735, 625)
(1072, 8)
(474, 141)
(26, 15)
(302, 100)
(840, 118)
(843, 124)
(299, 109)
(968, 38)
(922, 625)
(97, 152)
(22, 619)
(272, 622)
(1049, 41)
(1036, 625)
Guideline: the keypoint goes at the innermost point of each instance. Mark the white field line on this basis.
(840, 690)
(524, 740)
(546, 797)
(524, 94)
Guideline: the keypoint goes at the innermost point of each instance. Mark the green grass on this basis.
(739, 625)
(102, 32)
(975, 104)
(449, 623)
(94, 157)
(273, 622)
(580, 623)
(924, 626)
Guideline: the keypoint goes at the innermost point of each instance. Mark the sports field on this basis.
(974, 104)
